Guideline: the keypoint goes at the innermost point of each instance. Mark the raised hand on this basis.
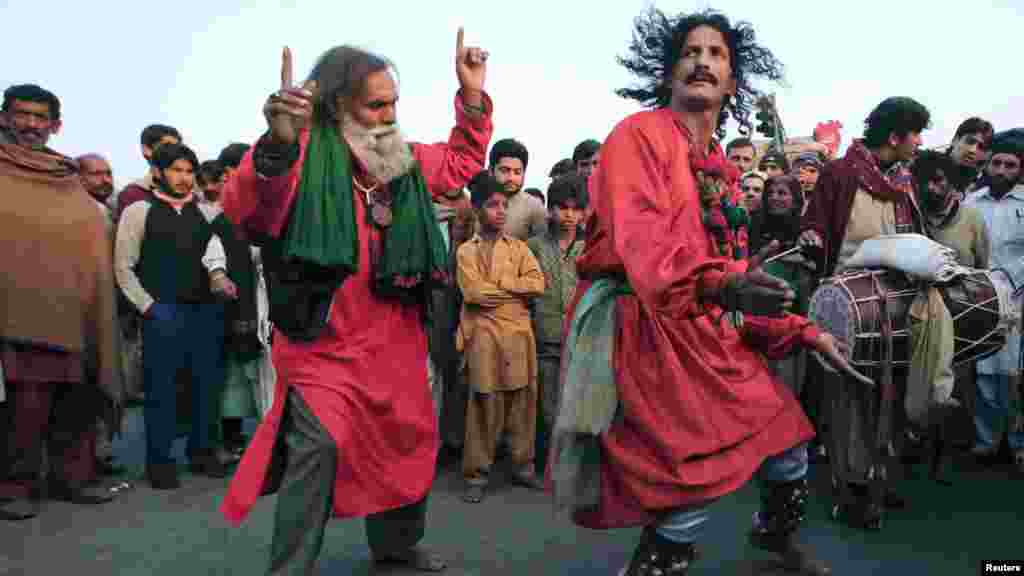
(471, 69)
(757, 292)
(289, 109)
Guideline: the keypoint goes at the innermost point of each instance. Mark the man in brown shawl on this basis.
(58, 342)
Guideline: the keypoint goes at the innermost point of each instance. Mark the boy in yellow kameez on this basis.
(498, 275)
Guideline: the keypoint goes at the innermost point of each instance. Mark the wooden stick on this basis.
(782, 254)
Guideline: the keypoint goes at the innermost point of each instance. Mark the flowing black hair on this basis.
(657, 45)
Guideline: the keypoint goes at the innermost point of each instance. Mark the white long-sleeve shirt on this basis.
(128, 248)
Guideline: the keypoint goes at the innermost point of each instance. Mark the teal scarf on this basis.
(322, 227)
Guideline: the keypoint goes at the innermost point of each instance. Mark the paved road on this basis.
(514, 532)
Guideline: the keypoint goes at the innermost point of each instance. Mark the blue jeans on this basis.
(686, 524)
(992, 414)
(193, 337)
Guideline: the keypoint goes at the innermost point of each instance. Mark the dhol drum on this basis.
(848, 307)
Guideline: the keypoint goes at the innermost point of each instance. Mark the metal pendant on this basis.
(381, 214)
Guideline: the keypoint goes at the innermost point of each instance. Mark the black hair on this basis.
(925, 166)
(975, 125)
(509, 148)
(741, 142)
(482, 187)
(32, 93)
(209, 172)
(168, 154)
(232, 154)
(657, 46)
(568, 187)
(152, 134)
(783, 228)
(898, 115)
(774, 157)
(535, 192)
(1009, 142)
(562, 167)
(341, 72)
(585, 150)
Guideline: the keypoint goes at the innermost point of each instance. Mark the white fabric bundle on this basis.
(914, 254)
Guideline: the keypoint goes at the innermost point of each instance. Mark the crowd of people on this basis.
(634, 339)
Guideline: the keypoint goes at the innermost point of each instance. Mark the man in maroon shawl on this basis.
(334, 181)
(696, 412)
(865, 194)
(58, 345)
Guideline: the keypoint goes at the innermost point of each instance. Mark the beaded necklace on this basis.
(726, 223)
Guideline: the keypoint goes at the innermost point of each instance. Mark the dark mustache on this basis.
(702, 76)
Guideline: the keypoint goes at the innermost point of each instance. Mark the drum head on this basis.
(832, 309)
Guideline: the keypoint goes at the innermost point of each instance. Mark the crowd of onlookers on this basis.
(190, 321)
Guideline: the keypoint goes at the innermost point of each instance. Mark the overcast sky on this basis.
(206, 67)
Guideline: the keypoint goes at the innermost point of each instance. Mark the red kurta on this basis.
(365, 378)
(700, 409)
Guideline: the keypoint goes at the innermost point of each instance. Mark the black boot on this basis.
(782, 511)
(163, 476)
(658, 556)
(206, 463)
(858, 509)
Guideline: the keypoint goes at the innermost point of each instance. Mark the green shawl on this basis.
(322, 227)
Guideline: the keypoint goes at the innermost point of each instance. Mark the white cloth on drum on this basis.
(914, 254)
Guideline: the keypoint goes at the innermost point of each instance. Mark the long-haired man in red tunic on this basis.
(341, 205)
(698, 412)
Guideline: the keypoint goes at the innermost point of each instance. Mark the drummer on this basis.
(865, 194)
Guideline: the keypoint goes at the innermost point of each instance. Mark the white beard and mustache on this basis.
(383, 150)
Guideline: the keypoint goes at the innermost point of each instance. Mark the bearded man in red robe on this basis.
(664, 369)
(341, 206)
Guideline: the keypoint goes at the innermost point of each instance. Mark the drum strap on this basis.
(879, 473)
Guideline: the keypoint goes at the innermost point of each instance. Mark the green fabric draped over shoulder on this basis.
(322, 227)
(590, 400)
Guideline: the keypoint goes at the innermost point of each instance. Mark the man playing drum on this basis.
(865, 194)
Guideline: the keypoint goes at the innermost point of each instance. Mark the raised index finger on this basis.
(286, 68)
(459, 40)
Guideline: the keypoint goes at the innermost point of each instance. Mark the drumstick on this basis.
(782, 254)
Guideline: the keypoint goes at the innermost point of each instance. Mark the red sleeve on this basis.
(259, 205)
(450, 165)
(655, 219)
(777, 337)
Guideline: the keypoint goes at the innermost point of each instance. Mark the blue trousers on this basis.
(992, 413)
(193, 338)
(686, 524)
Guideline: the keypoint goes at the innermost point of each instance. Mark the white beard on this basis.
(383, 149)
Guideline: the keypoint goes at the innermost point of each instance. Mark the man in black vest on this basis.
(166, 258)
